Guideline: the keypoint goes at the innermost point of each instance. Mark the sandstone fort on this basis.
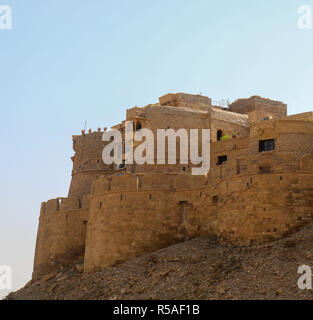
(259, 187)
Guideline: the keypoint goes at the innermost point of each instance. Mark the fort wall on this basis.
(252, 197)
(260, 208)
(149, 211)
(61, 234)
(252, 193)
(271, 194)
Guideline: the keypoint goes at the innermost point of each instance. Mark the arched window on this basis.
(219, 135)
(138, 126)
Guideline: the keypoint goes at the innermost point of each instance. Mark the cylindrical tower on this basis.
(87, 163)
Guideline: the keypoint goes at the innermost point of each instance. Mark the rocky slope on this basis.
(196, 269)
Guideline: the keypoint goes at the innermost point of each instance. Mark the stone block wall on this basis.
(61, 234)
(265, 207)
(134, 215)
(259, 108)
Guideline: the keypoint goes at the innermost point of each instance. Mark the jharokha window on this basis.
(266, 145)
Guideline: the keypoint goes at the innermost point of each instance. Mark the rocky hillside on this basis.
(196, 269)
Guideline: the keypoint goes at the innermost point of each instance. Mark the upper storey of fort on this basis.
(174, 111)
(243, 112)
(258, 108)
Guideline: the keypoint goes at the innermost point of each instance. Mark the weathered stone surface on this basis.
(80, 268)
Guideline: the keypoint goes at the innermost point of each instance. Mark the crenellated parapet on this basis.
(64, 204)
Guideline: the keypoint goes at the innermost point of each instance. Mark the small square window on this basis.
(265, 169)
(266, 145)
(221, 159)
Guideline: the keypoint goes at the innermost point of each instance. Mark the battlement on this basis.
(147, 182)
(56, 205)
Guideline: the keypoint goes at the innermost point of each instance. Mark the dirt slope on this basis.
(196, 269)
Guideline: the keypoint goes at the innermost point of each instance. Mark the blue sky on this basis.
(65, 62)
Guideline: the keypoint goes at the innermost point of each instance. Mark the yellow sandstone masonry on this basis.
(259, 187)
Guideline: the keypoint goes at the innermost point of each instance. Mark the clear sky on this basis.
(65, 62)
